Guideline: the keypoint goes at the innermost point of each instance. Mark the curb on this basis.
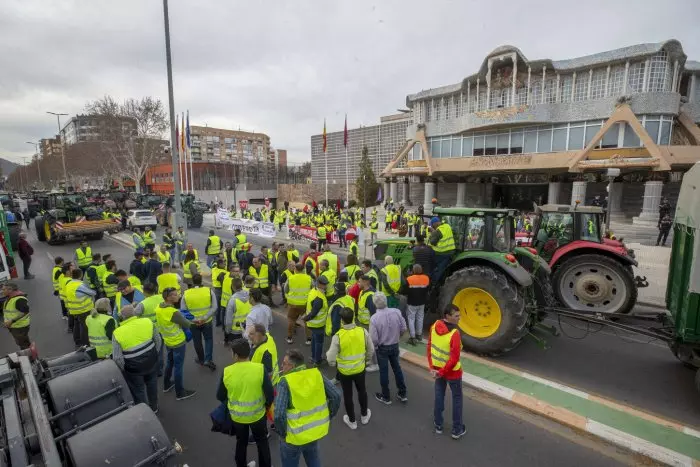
(651, 305)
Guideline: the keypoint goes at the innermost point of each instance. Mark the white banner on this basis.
(248, 227)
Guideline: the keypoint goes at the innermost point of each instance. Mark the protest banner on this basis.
(246, 226)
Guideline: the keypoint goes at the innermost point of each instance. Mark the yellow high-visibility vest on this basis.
(270, 346)
(109, 289)
(362, 310)
(261, 278)
(351, 357)
(346, 301)
(55, 279)
(173, 335)
(150, 304)
(440, 348)
(299, 287)
(330, 288)
(447, 241)
(164, 258)
(98, 335)
(11, 312)
(84, 257)
(168, 280)
(320, 320)
(198, 301)
(309, 420)
(214, 245)
(246, 400)
(187, 273)
(215, 272)
(77, 305)
(393, 277)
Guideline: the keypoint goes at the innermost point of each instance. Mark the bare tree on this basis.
(133, 132)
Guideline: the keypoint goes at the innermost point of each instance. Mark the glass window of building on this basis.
(434, 148)
(516, 142)
(472, 101)
(598, 83)
(559, 139)
(635, 78)
(530, 142)
(478, 145)
(581, 87)
(665, 136)
(467, 146)
(456, 106)
(658, 66)
(503, 143)
(536, 90)
(576, 134)
(490, 145)
(550, 91)
(482, 99)
(456, 147)
(565, 82)
(544, 139)
(446, 105)
(522, 95)
(630, 140)
(611, 137)
(653, 124)
(617, 81)
(591, 130)
(428, 111)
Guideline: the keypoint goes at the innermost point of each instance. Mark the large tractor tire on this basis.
(697, 380)
(493, 316)
(39, 222)
(196, 220)
(595, 283)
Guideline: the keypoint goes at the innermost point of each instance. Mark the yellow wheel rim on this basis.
(47, 230)
(480, 315)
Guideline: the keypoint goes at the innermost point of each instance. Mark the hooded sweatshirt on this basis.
(441, 328)
(241, 295)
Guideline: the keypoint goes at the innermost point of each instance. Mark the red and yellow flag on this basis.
(325, 139)
(182, 133)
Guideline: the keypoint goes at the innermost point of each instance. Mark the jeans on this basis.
(259, 430)
(341, 238)
(144, 388)
(173, 255)
(456, 390)
(290, 454)
(415, 314)
(26, 262)
(346, 382)
(211, 259)
(441, 263)
(206, 331)
(389, 355)
(317, 336)
(219, 315)
(175, 364)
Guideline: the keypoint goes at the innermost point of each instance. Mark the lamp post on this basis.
(61, 140)
(38, 164)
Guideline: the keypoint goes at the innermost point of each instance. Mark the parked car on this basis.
(141, 218)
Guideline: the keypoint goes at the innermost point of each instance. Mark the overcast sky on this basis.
(280, 67)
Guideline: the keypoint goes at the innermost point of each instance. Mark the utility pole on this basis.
(26, 181)
(62, 142)
(38, 163)
(171, 103)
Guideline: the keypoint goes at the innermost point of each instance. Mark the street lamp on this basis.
(60, 140)
(38, 166)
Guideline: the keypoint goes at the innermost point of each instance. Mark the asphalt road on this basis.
(628, 368)
(397, 435)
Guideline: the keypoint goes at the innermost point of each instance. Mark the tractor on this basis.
(193, 210)
(589, 272)
(148, 201)
(66, 215)
(493, 283)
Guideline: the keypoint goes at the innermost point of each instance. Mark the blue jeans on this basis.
(174, 367)
(205, 331)
(441, 263)
(317, 336)
(290, 454)
(456, 390)
(211, 259)
(389, 355)
(173, 255)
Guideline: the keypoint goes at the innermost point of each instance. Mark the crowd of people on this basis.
(144, 319)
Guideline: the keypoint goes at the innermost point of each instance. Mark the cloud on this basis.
(280, 67)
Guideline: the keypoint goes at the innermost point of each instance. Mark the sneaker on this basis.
(308, 342)
(65, 318)
(411, 341)
(211, 365)
(251, 464)
(186, 395)
(290, 341)
(460, 433)
(167, 387)
(401, 398)
(380, 397)
(365, 418)
(372, 368)
(351, 425)
(437, 429)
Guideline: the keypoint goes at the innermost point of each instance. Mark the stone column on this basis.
(553, 193)
(428, 196)
(650, 207)
(615, 202)
(461, 195)
(406, 192)
(387, 188)
(578, 192)
(394, 195)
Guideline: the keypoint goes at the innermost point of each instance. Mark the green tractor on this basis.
(193, 210)
(496, 285)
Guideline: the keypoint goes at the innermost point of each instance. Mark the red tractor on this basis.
(589, 272)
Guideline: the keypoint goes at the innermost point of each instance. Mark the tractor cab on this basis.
(558, 225)
(480, 229)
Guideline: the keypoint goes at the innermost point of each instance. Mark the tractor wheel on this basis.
(196, 220)
(97, 236)
(39, 227)
(493, 316)
(697, 380)
(595, 283)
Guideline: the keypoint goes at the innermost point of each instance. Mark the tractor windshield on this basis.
(74, 200)
(481, 232)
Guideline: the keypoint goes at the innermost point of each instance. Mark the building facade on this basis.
(383, 141)
(91, 128)
(520, 130)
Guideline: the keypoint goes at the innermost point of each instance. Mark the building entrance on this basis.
(519, 197)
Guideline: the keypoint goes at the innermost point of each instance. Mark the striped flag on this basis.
(345, 132)
(187, 130)
(182, 133)
(325, 139)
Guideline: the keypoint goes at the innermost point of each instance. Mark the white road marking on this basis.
(488, 386)
(50, 256)
(555, 385)
(691, 432)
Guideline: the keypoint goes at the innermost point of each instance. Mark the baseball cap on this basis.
(323, 280)
(434, 220)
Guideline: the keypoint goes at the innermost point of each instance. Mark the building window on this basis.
(550, 91)
(591, 130)
(544, 140)
(447, 107)
(576, 134)
(666, 128)
(482, 99)
(611, 137)
(436, 105)
(617, 81)
(653, 126)
(458, 109)
(658, 70)
(598, 83)
(428, 110)
(467, 146)
(565, 91)
(635, 78)
(478, 145)
(559, 138)
(530, 143)
(536, 91)
(630, 140)
(495, 99)
(456, 147)
(522, 95)
(516, 142)
(581, 90)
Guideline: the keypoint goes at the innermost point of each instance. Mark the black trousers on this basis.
(259, 430)
(21, 337)
(80, 332)
(26, 262)
(663, 235)
(346, 382)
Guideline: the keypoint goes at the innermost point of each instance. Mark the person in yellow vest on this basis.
(100, 326)
(213, 247)
(328, 273)
(227, 286)
(147, 309)
(351, 351)
(289, 271)
(110, 281)
(444, 352)
(354, 249)
(201, 303)
(297, 290)
(180, 238)
(127, 294)
(237, 309)
(338, 301)
(365, 301)
(218, 272)
(133, 280)
(92, 275)
(332, 259)
(16, 318)
(443, 243)
(351, 269)
(247, 391)
(264, 350)
(305, 402)
(171, 324)
(164, 256)
(137, 238)
(169, 279)
(261, 273)
(315, 318)
(190, 266)
(83, 255)
(391, 281)
(56, 275)
(149, 239)
(369, 270)
(135, 345)
(79, 301)
(321, 233)
(240, 240)
(373, 229)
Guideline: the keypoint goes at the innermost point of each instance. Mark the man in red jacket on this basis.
(444, 349)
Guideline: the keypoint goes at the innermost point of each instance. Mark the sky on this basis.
(281, 67)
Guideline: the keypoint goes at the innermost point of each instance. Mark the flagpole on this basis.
(184, 150)
(325, 154)
(347, 173)
(189, 149)
(179, 152)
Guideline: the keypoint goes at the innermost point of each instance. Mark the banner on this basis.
(248, 227)
(243, 204)
(310, 233)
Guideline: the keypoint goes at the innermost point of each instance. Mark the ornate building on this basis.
(520, 130)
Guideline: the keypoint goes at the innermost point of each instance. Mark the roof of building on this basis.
(611, 56)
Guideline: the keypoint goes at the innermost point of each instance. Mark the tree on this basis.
(132, 133)
(366, 181)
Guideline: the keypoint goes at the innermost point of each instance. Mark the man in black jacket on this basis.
(665, 225)
(136, 266)
(423, 255)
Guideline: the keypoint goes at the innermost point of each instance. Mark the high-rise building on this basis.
(383, 141)
(91, 128)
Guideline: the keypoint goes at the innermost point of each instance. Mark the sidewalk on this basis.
(653, 263)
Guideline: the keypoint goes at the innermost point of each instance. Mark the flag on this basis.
(325, 140)
(187, 135)
(177, 133)
(345, 132)
(379, 195)
(182, 133)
